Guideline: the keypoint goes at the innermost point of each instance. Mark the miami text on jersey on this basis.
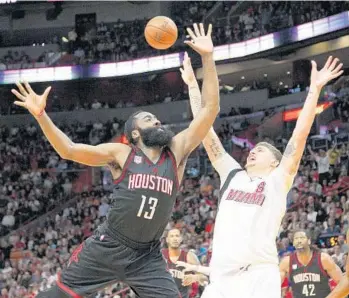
(256, 198)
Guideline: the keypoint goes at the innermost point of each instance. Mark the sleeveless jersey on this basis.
(144, 196)
(248, 220)
(308, 281)
(176, 271)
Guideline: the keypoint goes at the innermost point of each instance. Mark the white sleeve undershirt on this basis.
(224, 165)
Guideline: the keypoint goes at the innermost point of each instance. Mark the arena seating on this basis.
(123, 40)
(30, 261)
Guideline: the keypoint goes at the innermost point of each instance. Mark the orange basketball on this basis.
(161, 32)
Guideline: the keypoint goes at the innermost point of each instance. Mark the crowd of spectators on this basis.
(33, 178)
(124, 40)
(318, 202)
(20, 60)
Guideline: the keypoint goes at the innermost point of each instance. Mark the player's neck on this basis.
(174, 252)
(254, 173)
(305, 256)
(153, 153)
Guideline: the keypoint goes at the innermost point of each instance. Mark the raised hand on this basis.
(187, 71)
(33, 102)
(330, 71)
(200, 42)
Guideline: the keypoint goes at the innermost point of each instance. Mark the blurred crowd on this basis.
(34, 179)
(318, 202)
(19, 60)
(124, 40)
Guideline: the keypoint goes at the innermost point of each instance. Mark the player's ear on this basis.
(275, 163)
(135, 135)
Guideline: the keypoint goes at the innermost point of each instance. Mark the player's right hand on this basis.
(200, 41)
(33, 102)
(187, 267)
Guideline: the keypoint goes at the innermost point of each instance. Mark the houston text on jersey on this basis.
(152, 182)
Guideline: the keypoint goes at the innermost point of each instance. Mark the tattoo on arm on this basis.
(290, 149)
(215, 147)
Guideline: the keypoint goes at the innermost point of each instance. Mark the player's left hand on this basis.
(187, 71)
(200, 42)
(190, 279)
(187, 267)
(331, 70)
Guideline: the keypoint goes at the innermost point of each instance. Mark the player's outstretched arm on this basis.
(212, 143)
(295, 148)
(85, 154)
(190, 138)
(284, 267)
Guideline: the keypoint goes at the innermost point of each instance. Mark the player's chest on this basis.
(246, 191)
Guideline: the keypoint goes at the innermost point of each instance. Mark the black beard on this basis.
(156, 136)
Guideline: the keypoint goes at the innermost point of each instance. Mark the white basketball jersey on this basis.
(248, 219)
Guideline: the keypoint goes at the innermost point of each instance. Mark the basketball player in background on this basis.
(342, 289)
(147, 174)
(174, 254)
(309, 271)
(253, 201)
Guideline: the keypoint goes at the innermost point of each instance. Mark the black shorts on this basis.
(101, 260)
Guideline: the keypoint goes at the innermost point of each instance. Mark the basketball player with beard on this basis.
(342, 289)
(174, 254)
(253, 202)
(147, 174)
(309, 271)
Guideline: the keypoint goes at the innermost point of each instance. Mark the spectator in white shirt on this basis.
(96, 105)
(323, 164)
(8, 220)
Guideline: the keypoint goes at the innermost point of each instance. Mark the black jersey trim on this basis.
(124, 169)
(174, 163)
(230, 176)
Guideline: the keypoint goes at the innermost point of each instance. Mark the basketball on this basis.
(161, 33)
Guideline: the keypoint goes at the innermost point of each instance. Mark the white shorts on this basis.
(257, 282)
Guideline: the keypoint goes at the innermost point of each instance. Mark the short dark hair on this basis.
(302, 231)
(130, 126)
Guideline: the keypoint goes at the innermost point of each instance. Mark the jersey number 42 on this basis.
(151, 206)
(309, 290)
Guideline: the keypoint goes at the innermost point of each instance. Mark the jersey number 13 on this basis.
(151, 206)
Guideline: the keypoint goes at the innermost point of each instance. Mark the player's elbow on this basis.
(67, 152)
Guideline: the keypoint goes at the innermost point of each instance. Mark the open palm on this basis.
(33, 102)
(330, 71)
(200, 42)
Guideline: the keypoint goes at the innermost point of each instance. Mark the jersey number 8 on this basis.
(152, 202)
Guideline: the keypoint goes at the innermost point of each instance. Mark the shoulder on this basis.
(192, 257)
(285, 263)
(286, 259)
(326, 259)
